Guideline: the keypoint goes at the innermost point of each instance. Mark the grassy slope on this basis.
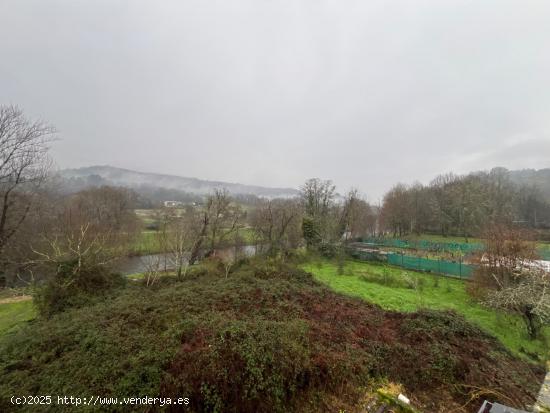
(12, 315)
(450, 294)
(257, 339)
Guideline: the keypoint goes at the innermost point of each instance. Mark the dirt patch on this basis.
(429, 352)
(15, 299)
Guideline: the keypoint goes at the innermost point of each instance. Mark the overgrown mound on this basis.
(72, 286)
(267, 338)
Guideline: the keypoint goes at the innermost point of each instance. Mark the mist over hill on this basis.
(532, 177)
(85, 177)
(160, 186)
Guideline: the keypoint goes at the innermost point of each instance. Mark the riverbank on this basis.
(148, 242)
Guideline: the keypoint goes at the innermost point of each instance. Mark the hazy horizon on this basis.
(272, 93)
(339, 189)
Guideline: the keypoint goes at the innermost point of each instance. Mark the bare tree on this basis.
(163, 217)
(201, 226)
(153, 269)
(76, 249)
(510, 277)
(225, 219)
(180, 239)
(77, 264)
(75, 230)
(357, 218)
(396, 210)
(528, 296)
(75, 252)
(320, 222)
(443, 189)
(23, 167)
(277, 224)
(227, 259)
(507, 251)
(219, 219)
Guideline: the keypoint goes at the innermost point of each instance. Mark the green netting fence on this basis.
(544, 252)
(453, 247)
(443, 267)
(463, 247)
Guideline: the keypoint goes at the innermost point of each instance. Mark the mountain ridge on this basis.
(110, 175)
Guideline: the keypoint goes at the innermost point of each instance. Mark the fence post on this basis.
(439, 265)
(460, 267)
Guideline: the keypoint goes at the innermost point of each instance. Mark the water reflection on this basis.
(133, 265)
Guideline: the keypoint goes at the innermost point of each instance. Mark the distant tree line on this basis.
(328, 220)
(463, 205)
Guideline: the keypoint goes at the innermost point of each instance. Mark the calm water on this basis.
(132, 265)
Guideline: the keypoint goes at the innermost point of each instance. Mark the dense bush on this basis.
(328, 250)
(256, 365)
(64, 289)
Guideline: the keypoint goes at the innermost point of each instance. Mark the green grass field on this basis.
(148, 242)
(393, 289)
(13, 314)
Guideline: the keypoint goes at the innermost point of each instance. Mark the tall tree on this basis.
(396, 210)
(24, 165)
(318, 201)
(277, 224)
(357, 216)
(216, 222)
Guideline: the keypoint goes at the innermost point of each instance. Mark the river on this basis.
(138, 264)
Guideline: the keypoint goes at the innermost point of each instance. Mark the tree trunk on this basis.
(531, 322)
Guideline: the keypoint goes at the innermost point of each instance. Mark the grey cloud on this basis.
(274, 92)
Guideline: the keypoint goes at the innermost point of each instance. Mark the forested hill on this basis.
(539, 178)
(81, 178)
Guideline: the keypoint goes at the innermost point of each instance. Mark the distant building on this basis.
(173, 204)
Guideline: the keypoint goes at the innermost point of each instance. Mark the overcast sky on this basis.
(272, 92)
